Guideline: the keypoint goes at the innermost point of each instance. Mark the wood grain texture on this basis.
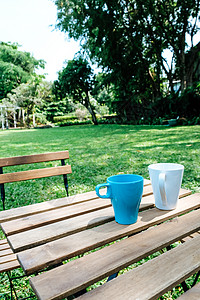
(8, 260)
(40, 217)
(35, 158)
(109, 260)
(21, 212)
(75, 244)
(6, 252)
(191, 294)
(33, 174)
(155, 277)
(52, 216)
(9, 266)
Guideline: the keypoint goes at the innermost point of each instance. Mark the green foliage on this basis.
(74, 122)
(64, 118)
(75, 81)
(128, 39)
(16, 67)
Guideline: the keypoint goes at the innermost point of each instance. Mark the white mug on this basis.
(166, 179)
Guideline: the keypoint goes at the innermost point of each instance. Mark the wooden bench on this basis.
(8, 260)
(33, 174)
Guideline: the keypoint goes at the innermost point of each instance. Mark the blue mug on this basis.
(125, 192)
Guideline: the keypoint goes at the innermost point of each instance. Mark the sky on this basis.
(31, 24)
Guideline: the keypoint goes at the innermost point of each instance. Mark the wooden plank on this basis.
(109, 260)
(35, 158)
(44, 234)
(41, 219)
(2, 242)
(32, 209)
(52, 216)
(152, 279)
(69, 246)
(33, 174)
(8, 258)
(4, 246)
(21, 212)
(187, 238)
(9, 266)
(191, 294)
(6, 252)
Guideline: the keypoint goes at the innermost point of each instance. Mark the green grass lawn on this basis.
(97, 152)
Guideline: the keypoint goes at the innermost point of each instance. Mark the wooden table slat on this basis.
(105, 262)
(69, 246)
(21, 212)
(41, 235)
(52, 216)
(37, 208)
(154, 278)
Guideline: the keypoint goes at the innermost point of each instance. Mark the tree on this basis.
(28, 96)
(75, 80)
(16, 67)
(129, 39)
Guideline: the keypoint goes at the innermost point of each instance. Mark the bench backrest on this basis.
(36, 173)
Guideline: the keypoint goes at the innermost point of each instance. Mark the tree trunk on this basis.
(90, 109)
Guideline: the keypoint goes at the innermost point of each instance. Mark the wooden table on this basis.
(46, 234)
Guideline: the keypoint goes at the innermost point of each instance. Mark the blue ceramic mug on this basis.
(125, 192)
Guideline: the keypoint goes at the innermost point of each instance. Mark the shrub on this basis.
(74, 122)
(64, 118)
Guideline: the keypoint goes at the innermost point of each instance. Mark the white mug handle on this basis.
(162, 177)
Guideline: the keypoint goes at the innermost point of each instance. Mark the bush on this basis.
(74, 122)
(64, 118)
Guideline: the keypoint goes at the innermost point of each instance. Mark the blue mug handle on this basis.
(108, 194)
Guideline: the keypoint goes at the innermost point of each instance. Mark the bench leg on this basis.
(2, 190)
(65, 177)
(12, 288)
(13, 294)
(196, 278)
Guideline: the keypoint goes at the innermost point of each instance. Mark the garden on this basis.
(97, 152)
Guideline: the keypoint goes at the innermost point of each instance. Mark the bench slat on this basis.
(146, 281)
(81, 242)
(6, 252)
(33, 174)
(191, 294)
(35, 158)
(7, 258)
(94, 267)
(9, 266)
(4, 246)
